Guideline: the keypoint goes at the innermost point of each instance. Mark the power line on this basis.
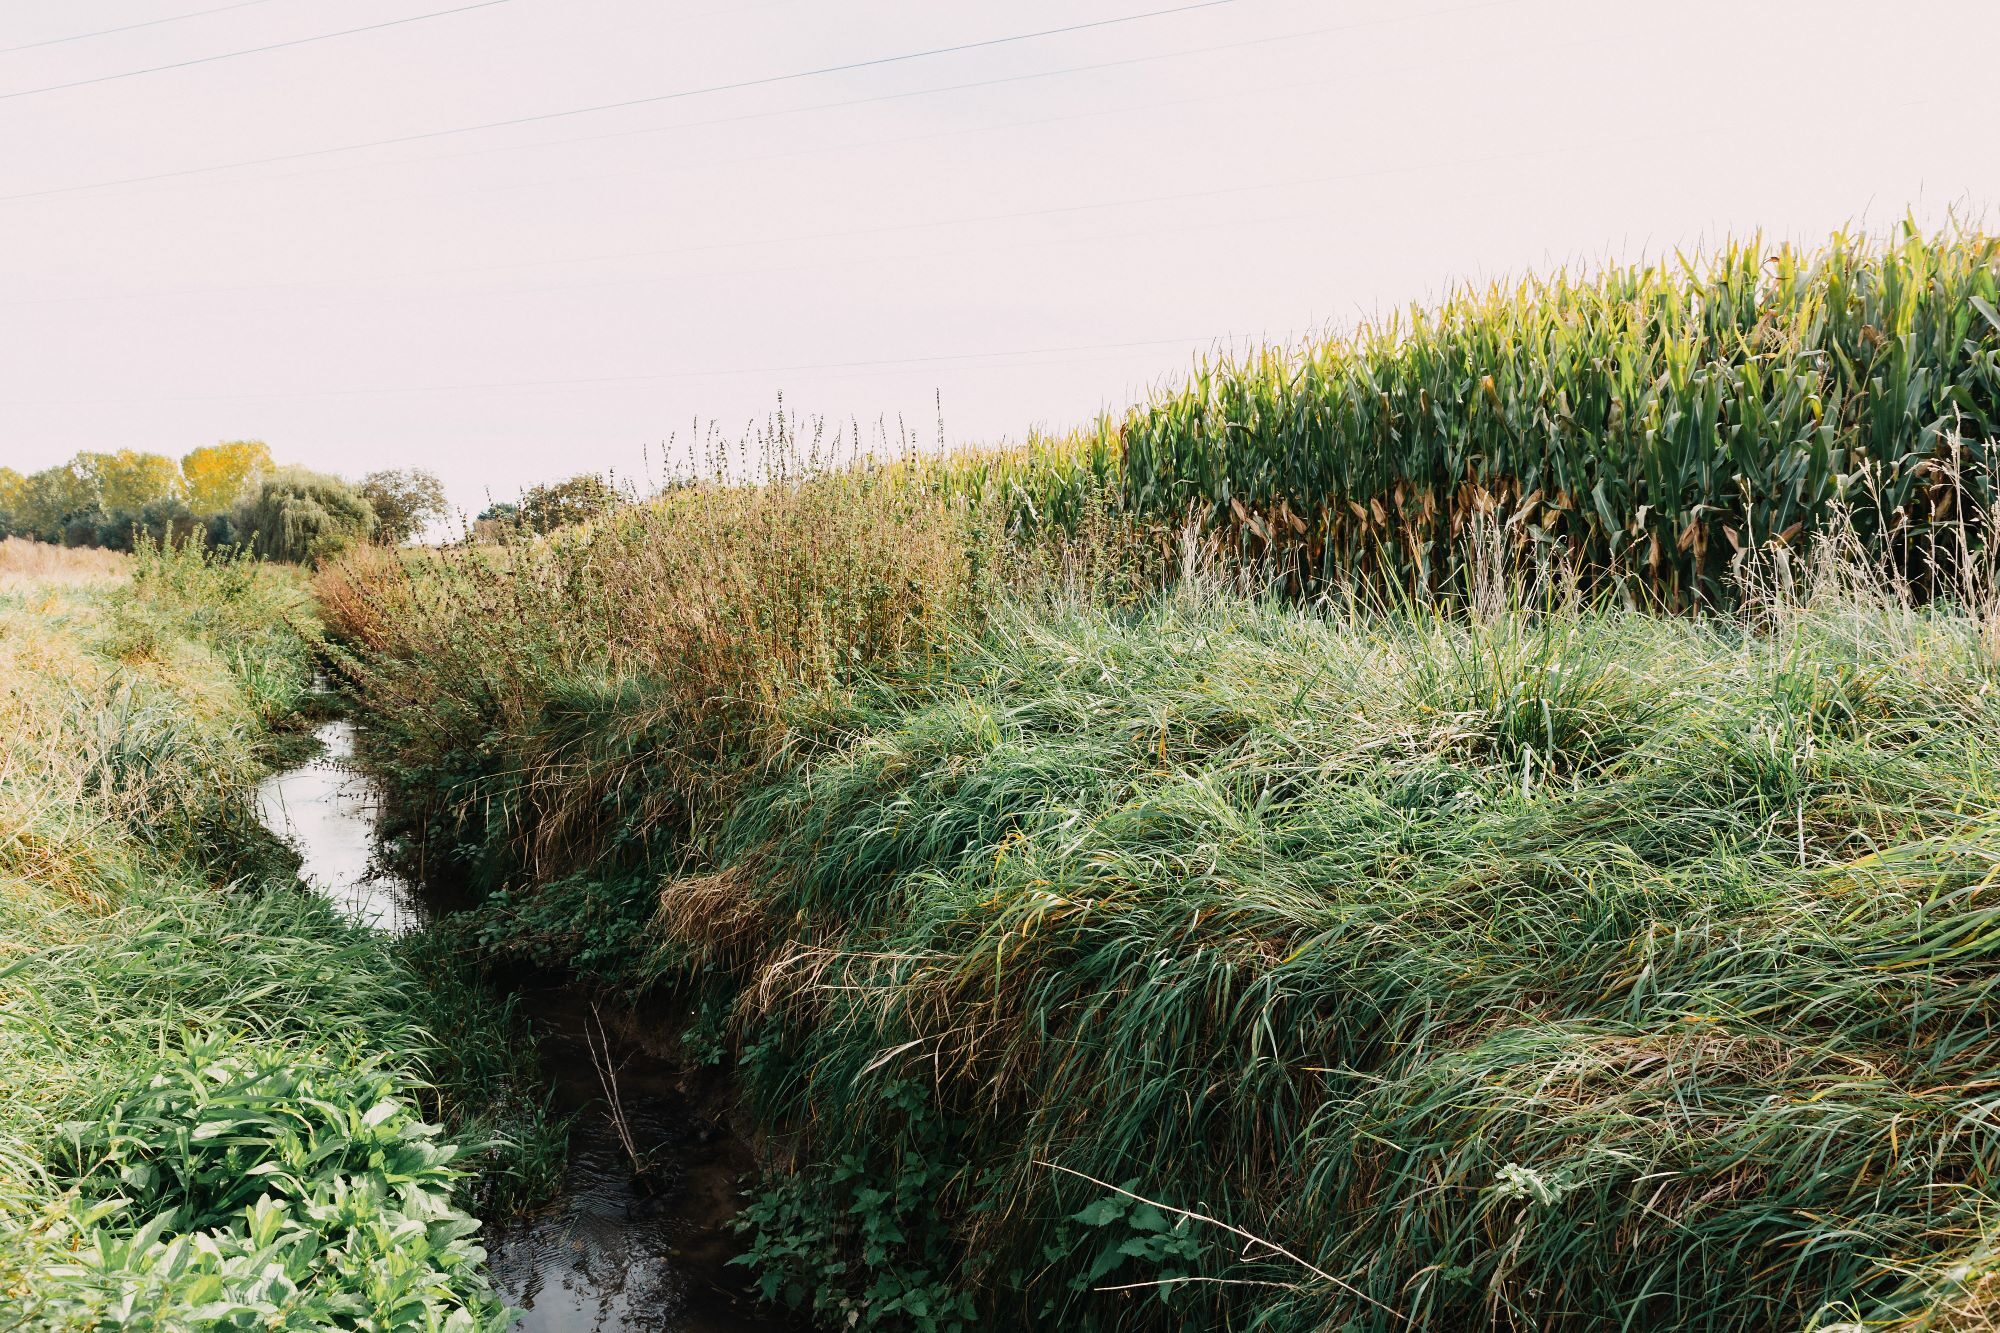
(130, 27)
(893, 228)
(876, 98)
(253, 50)
(679, 95)
(962, 220)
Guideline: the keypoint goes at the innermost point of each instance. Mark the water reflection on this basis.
(602, 1257)
(327, 810)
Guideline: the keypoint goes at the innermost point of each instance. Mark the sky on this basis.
(933, 219)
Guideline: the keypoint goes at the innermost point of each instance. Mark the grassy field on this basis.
(1568, 970)
(1108, 936)
(27, 566)
(216, 1093)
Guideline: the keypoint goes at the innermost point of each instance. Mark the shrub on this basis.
(562, 503)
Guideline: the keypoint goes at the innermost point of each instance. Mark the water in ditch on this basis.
(615, 1250)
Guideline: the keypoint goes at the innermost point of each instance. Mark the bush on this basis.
(228, 1183)
(560, 504)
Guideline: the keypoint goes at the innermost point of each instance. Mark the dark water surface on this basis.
(616, 1249)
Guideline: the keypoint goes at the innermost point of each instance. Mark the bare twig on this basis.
(1254, 1239)
(1216, 1281)
(599, 1045)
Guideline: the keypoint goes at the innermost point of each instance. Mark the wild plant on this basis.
(1571, 968)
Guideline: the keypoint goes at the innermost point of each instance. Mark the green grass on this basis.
(1575, 970)
(219, 1096)
(1549, 965)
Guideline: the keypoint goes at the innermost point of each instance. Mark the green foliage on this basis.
(1132, 1230)
(231, 1184)
(1680, 1024)
(46, 505)
(591, 924)
(259, 622)
(13, 490)
(856, 1243)
(97, 499)
(302, 517)
(1536, 965)
(129, 481)
(1045, 485)
(112, 500)
(1653, 421)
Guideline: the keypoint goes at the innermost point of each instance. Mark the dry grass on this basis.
(28, 564)
(643, 662)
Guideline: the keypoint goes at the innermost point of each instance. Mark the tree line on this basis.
(232, 494)
(236, 495)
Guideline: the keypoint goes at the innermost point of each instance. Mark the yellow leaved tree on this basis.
(219, 474)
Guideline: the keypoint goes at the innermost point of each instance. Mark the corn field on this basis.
(1649, 423)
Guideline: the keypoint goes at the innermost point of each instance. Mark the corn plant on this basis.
(1652, 421)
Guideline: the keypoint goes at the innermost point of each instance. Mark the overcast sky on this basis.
(1029, 230)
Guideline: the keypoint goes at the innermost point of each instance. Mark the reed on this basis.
(634, 670)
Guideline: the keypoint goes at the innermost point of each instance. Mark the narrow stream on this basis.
(610, 1252)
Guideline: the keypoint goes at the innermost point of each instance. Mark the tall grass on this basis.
(1650, 422)
(628, 674)
(1542, 963)
(216, 1092)
(28, 564)
(1576, 969)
